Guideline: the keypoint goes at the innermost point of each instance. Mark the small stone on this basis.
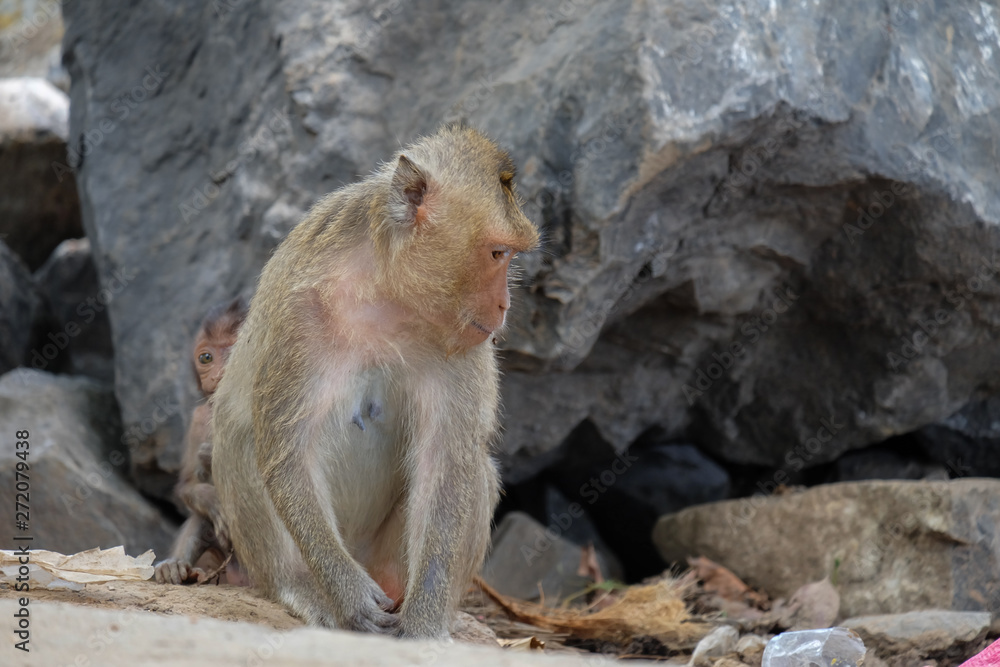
(715, 644)
(751, 649)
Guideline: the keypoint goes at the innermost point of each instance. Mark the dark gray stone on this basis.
(967, 443)
(20, 308)
(700, 175)
(528, 560)
(652, 478)
(879, 463)
(79, 327)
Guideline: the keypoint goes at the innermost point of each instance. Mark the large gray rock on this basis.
(747, 208)
(20, 308)
(78, 495)
(889, 547)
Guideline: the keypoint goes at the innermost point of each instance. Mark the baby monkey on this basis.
(203, 539)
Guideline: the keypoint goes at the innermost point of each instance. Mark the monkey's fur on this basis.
(203, 535)
(354, 420)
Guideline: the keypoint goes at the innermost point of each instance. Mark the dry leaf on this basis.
(523, 644)
(655, 610)
(57, 571)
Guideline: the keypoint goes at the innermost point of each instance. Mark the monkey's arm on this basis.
(358, 601)
(203, 500)
(191, 542)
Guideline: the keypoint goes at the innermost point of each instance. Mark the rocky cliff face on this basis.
(769, 227)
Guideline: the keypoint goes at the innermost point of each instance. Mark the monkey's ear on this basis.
(410, 185)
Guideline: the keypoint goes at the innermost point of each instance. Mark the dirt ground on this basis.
(228, 603)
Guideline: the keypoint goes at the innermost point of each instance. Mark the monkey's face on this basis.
(210, 355)
(463, 225)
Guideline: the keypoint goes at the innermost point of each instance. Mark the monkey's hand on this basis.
(364, 606)
(220, 527)
(176, 571)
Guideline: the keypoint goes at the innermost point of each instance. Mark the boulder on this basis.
(887, 546)
(737, 200)
(76, 301)
(40, 206)
(20, 309)
(79, 497)
(922, 635)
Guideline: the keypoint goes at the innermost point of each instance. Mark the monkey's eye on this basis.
(205, 357)
(501, 253)
(507, 180)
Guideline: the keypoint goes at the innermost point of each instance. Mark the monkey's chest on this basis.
(361, 452)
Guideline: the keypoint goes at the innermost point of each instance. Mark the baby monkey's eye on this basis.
(205, 357)
(501, 253)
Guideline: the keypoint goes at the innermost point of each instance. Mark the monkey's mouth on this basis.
(479, 326)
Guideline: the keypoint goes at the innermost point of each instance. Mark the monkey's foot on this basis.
(177, 572)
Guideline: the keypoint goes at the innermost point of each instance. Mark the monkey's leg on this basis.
(190, 543)
(446, 534)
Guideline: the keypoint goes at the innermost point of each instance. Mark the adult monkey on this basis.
(354, 419)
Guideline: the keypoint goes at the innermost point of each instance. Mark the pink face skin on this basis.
(209, 360)
(492, 300)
